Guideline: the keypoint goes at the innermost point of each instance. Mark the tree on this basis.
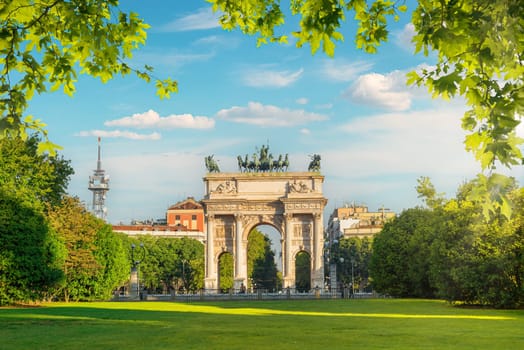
(303, 272)
(157, 262)
(353, 256)
(478, 261)
(169, 264)
(261, 267)
(226, 272)
(400, 261)
(32, 177)
(190, 265)
(111, 254)
(95, 262)
(454, 251)
(45, 45)
(479, 45)
(265, 270)
(426, 190)
(31, 255)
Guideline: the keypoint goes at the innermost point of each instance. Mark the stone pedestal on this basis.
(133, 284)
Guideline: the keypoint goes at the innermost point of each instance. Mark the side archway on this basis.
(303, 272)
(226, 272)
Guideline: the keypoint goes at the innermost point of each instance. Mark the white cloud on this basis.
(325, 106)
(142, 179)
(217, 41)
(340, 70)
(270, 78)
(204, 18)
(119, 134)
(152, 119)
(305, 131)
(379, 158)
(266, 115)
(386, 91)
(170, 59)
(302, 101)
(403, 38)
(427, 141)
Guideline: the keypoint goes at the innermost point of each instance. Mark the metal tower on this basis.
(99, 184)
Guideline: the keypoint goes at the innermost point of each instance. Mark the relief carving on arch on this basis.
(224, 232)
(220, 232)
(297, 231)
(306, 230)
(227, 187)
(298, 187)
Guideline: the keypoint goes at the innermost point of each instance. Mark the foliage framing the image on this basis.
(46, 44)
(479, 46)
(478, 42)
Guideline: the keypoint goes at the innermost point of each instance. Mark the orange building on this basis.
(188, 214)
(183, 219)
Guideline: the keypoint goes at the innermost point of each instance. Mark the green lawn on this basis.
(312, 324)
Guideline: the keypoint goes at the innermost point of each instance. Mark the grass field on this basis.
(312, 324)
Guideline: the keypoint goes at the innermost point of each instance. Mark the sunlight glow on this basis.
(196, 308)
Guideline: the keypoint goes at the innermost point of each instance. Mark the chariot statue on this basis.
(262, 161)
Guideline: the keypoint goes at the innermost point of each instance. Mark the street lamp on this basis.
(184, 281)
(136, 259)
(352, 277)
(333, 252)
(343, 283)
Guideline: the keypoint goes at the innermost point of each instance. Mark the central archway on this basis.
(262, 269)
(291, 202)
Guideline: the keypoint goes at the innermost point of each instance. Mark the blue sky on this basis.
(376, 136)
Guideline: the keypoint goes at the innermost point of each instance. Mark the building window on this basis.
(193, 217)
(177, 217)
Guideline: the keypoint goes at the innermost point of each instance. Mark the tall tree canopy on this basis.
(31, 177)
(453, 252)
(31, 254)
(96, 262)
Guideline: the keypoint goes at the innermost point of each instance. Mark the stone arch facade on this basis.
(235, 203)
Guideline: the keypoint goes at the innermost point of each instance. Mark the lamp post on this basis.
(352, 277)
(333, 252)
(136, 259)
(343, 278)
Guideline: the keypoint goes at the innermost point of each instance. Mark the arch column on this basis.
(317, 274)
(287, 261)
(211, 274)
(240, 259)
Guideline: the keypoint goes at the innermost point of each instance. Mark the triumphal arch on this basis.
(291, 202)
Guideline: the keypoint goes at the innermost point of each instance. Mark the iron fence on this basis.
(259, 294)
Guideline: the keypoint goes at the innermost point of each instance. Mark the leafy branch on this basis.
(44, 45)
